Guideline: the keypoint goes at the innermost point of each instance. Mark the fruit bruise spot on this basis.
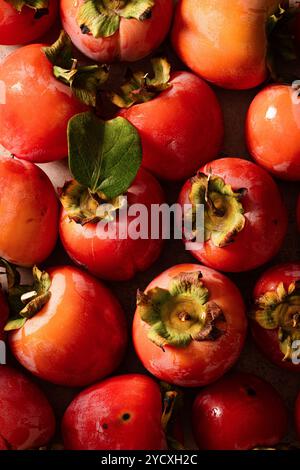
(105, 426)
(250, 392)
(84, 29)
(126, 417)
(40, 13)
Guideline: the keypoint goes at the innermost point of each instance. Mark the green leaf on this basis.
(84, 207)
(101, 18)
(35, 4)
(181, 313)
(223, 210)
(139, 9)
(42, 280)
(93, 17)
(103, 156)
(141, 88)
(15, 324)
(85, 81)
(35, 305)
(25, 300)
(60, 53)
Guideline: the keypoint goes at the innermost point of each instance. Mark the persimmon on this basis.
(24, 21)
(126, 30)
(29, 213)
(67, 328)
(225, 44)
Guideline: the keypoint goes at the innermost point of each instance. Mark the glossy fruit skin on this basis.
(134, 40)
(173, 147)
(37, 108)
(114, 259)
(200, 363)
(297, 415)
(273, 131)
(266, 218)
(21, 28)
(29, 213)
(239, 412)
(78, 337)
(93, 421)
(3, 314)
(226, 46)
(267, 340)
(26, 420)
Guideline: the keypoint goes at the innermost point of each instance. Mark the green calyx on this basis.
(40, 6)
(142, 87)
(180, 314)
(25, 300)
(223, 210)
(84, 207)
(281, 42)
(104, 158)
(85, 81)
(101, 18)
(280, 309)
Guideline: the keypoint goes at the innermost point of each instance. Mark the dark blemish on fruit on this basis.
(40, 13)
(105, 426)
(250, 392)
(84, 29)
(275, 221)
(125, 416)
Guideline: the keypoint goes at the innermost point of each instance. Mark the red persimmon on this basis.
(79, 333)
(273, 131)
(120, 413)
(26, 419)
(114, 257)
(227, 46)
(130, 40)
(276, 322)
(245, 221)
(189, 327)
(29, 213)
(28, 24)
(36, 108)
(180, 129)
(239, 412)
